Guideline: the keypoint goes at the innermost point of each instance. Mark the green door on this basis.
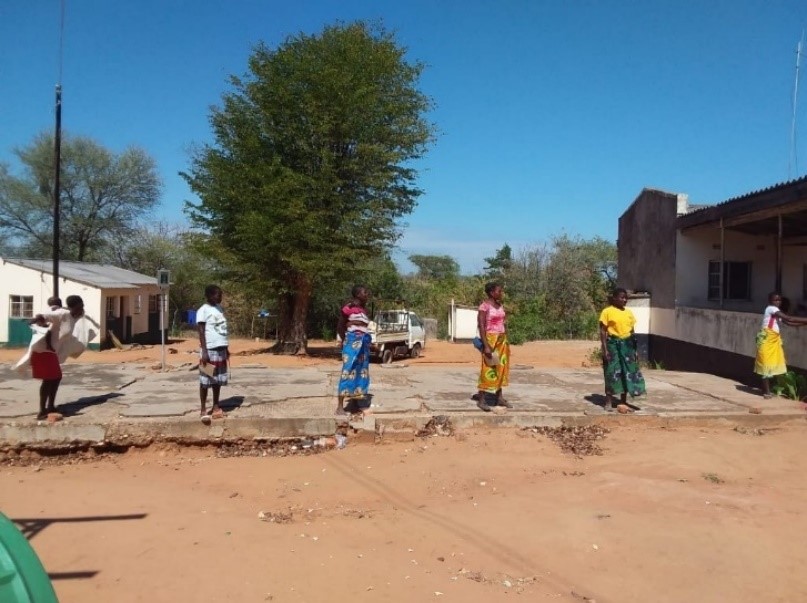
(19, 332)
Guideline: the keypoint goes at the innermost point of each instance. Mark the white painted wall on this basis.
(735, 332)
(696, 248)
(462, 323)
(662, 322)
(640, 306)
(17, 280)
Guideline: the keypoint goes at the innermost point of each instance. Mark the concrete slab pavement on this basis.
(120, 401)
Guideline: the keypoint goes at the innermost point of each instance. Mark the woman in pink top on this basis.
(353, 328)
(494, 372)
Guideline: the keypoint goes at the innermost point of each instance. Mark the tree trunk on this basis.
(293, 313)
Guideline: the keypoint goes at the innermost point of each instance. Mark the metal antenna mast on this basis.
(794, 158)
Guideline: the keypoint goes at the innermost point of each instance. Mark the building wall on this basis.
(697, 247)
(646, 246)
(24, 281)
(39, 285)
(124, 304)
(720, 342)
(462, 323)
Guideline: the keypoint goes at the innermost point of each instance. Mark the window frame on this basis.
(713, 289)
(23, 302)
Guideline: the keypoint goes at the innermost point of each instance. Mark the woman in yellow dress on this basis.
(770, 360)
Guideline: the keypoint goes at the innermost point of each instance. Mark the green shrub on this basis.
(791, 385)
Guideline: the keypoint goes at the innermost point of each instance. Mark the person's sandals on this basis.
(767, 396)
(206, 418)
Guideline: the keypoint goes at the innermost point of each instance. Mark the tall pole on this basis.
(57, 160)
(57, 152)
(163, 299)
(794, 158)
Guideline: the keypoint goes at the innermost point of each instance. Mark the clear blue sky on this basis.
(553, 115)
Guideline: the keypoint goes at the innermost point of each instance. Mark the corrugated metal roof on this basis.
(777, 195)
(102, 276)
(751, 194)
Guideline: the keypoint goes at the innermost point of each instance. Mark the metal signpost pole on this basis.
(163, 280)
(162, 329)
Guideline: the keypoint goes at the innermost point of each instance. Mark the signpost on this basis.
(164, 281)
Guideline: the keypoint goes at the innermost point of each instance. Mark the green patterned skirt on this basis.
(622, 373)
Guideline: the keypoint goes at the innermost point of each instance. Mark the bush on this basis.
(791, 385)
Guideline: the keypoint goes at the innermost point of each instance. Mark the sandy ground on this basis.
(558, 354)
(664, 515)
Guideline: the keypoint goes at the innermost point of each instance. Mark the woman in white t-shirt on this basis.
(770, 360)
(214, 351)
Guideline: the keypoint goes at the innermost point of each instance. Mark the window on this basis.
(736, 280)
(804, 282)
(110, 305)
(415, 321)
(21, 306)
(153, 307)
(138, 303)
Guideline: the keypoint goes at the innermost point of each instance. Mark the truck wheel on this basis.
(415, 352)
(386, 357)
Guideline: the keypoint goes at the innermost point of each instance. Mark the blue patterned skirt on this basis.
(355, 379)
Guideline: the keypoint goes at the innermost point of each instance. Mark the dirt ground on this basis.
(664, 515)
(559, 354)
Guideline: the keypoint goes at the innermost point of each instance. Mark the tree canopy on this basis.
(313, 162)
(436, 267)
(104, 195)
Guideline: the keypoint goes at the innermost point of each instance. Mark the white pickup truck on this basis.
(396, 333)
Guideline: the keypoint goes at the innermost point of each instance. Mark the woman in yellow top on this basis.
(620, 359)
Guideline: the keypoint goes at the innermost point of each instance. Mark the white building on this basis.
(121, 301)
(709, 270)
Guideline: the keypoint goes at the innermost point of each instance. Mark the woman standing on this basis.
(214, 351)
(53, 342)
(620, 358)
(494, 372)
(353, 328)
(770, 360)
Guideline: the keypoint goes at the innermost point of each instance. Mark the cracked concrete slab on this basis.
(125, 396)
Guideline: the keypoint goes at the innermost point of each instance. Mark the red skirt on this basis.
(45, 366)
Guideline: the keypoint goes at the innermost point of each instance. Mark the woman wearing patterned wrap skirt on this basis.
(619, 355)
(214, 352)
(353, 329)
(770, 359)
(494, 372)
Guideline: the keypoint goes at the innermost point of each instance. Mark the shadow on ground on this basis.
(71, 409)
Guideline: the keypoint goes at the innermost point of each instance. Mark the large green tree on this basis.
(313, 162)
(436, 267)
(104, 195)
(578, 276)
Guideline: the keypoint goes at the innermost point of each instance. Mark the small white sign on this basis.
(164, 278)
